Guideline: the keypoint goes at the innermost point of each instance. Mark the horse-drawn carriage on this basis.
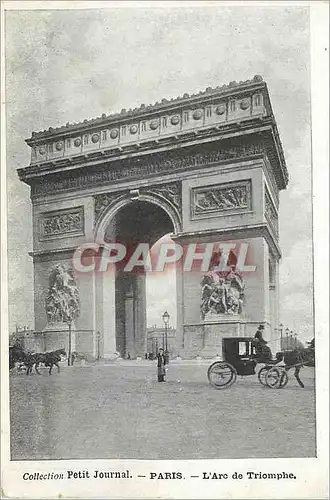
(240, 357)
(27, 360)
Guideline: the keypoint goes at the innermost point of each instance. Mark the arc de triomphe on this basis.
(206, 168)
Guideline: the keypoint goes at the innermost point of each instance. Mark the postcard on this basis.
(164, 271)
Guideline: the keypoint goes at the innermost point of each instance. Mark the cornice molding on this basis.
(236, 232)
(178, 141)
(53, 254)
(173, 162)
(232, 88)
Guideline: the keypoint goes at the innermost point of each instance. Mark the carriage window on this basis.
(242, 349)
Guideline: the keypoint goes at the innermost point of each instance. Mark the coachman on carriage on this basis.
(241, 355)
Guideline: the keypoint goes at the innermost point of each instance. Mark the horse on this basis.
(293, 358)
(29, 361)
(49, 359)
(297, 358)
(18, 355)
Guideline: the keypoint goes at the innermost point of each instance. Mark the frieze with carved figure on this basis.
(62, 223)
(222, 293)
(62, 302)
(171, 191)
(102, 201)
(271, 213)
(132, 169)
(210, 200)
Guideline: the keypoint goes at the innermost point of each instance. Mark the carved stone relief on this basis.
(171, 191)
(102, 201)
(62, 301)
(221, 198)
(222, 293)
(133, 169)
(68, 222)
(271, 213)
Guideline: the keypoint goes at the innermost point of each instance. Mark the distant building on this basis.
(156, 339)
(29, 339)
(291, 342)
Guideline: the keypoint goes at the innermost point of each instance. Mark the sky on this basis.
(65, 66)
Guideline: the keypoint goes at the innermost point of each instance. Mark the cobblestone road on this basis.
(120, 411)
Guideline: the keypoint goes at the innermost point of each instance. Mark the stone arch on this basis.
(121, 297)
(121, 200)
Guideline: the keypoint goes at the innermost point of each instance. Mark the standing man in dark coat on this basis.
(161, 362)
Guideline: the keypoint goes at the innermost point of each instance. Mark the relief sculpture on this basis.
(270, 213)
(62, 302)
(63, 223)
(171, 191)
(222, 293)
(127, 169)
(221, 198)
(102, 201)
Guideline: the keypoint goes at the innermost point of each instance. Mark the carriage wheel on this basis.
(276, 377)
(262, 375)
(221, 375)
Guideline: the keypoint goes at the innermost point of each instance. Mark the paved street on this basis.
(120, 411)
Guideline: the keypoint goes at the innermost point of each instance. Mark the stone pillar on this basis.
(274, 304)
(105, 312)
(140, 324)
(203, 336)
(131, 326)
(120, 316)
(179, 340)
(109, 313)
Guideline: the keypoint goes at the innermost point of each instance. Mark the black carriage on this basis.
(239, 358)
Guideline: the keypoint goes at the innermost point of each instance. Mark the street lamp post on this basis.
(70, 344)
(98, 345)
(287, 331)
(281, 335)
(166, 319)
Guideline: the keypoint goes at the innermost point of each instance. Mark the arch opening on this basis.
(135, 223)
